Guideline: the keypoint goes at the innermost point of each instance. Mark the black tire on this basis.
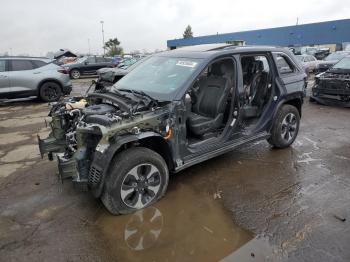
(121, 179)
(75, 74)
(50, 92)
(284, 132)
(311, 99)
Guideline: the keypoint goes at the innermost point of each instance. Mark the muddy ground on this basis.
(253, 204)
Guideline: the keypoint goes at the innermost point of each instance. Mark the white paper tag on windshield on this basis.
(186, 63)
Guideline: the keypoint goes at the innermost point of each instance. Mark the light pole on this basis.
(89, 46)
(103, 38)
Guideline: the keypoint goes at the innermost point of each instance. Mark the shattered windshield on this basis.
(159, 76)
(343, 64)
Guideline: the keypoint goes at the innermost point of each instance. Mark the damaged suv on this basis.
(333, 86)
(174, 110)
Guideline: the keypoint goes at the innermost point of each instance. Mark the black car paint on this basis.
(180, 155)
(87, 68)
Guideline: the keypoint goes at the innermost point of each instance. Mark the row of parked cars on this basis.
(47, 79)
(311, 64)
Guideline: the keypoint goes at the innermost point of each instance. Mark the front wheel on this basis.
(138, 178)
(285, 127)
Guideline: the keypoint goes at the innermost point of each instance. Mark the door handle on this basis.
(36, 73)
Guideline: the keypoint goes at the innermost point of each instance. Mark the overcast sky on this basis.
(37, 26)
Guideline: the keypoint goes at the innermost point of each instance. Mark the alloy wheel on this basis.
(289, 127)
(140, 185)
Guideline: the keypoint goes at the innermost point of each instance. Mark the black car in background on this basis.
(331, 60)
(109, 76)
(88, 65)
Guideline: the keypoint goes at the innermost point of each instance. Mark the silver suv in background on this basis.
(31, 76)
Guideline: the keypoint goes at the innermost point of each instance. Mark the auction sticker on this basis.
(186, 63)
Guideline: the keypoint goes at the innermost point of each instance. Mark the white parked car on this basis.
(309, 62)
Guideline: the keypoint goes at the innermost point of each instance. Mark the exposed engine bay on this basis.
(83, 125)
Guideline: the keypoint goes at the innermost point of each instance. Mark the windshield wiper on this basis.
(138, 93)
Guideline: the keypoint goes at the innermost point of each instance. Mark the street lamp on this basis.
(103, 38)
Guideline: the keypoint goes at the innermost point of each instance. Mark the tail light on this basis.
(63, 71)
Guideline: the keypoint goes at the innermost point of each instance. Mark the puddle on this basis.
(186, 225)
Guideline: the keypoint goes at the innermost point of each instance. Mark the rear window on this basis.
(38, 63)
(21, 65)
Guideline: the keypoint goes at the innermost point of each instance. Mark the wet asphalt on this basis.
(252, 204)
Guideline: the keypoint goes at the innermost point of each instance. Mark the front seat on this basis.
(208, 110)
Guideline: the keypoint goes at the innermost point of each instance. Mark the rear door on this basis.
(90, 66)
(290, 76)
(24, 76)
(4, 77)
(102, 62)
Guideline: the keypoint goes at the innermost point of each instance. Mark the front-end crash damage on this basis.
(333, 86)
(86, 132)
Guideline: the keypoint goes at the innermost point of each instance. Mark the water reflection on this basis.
(143, 229)
(186, 225)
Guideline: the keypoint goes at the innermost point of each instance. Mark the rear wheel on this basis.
(285, 127)
(50, 92)
(137, 179)
(75, 74)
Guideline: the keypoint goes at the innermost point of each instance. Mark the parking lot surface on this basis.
(253, 204)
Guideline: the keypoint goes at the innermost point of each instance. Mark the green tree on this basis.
(188, 32)
(113, 47)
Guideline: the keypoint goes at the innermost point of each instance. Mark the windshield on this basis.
(81, 59)
(343, 64)
(159, 76)
(336, 56)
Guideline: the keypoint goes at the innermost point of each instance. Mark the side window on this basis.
(21, 65)
(284, 65)
(91, 60)
(38, 63)
(2, 65)
(100, 60)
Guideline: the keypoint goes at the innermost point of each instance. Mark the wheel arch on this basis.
(150, 140)
(46, 80)
(296, 102)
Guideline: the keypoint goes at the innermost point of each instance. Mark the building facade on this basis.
(335, 32)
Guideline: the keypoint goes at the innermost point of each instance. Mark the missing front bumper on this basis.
(50, 145)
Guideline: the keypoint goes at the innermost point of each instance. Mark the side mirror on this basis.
(86, 62)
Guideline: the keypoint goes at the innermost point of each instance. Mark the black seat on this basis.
(208, 110)
(259, 85)
(256, 91)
